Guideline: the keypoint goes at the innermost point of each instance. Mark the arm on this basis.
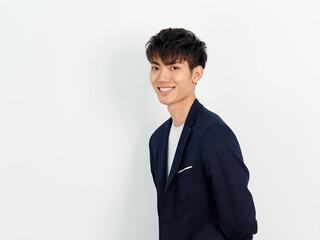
(151, 160)
(224, 167)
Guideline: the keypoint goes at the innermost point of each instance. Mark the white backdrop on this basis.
(77, 110)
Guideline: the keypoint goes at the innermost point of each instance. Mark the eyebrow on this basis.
(154, 62)
(169, 63)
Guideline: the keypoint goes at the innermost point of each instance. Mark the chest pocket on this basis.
(188, 183)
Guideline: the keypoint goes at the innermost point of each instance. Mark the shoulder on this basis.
(218, 139)
(159, 131)
(208, 118)
(214, 128)
(209, 121)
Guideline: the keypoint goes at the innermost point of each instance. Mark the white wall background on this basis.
(77, 110)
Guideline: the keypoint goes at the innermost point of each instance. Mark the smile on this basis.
(166, 89)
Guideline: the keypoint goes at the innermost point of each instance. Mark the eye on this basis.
(174, 68)
(154, 68)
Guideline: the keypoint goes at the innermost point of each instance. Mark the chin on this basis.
(164, 101)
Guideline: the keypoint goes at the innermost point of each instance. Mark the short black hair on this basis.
(177, 44)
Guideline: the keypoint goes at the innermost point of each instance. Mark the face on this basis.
(173, 83)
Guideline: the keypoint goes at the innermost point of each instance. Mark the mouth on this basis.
(165, 89)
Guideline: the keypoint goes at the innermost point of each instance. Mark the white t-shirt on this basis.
(174, 137)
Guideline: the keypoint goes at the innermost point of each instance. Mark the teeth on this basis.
(165, 89)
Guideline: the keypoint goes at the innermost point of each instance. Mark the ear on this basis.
(197, 73)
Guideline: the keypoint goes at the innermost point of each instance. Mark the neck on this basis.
(180, 110)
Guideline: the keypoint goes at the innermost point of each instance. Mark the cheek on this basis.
(153, 78)
(186, 82)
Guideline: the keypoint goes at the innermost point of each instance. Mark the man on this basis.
(195, 158)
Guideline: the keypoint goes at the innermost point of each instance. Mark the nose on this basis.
(164, 75)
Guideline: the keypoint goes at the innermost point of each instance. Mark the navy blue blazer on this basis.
(206, 195)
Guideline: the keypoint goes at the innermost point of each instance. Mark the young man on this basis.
(195, 158)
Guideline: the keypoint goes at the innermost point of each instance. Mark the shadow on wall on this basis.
(131, 91)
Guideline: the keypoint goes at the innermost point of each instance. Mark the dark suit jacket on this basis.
(206, 195)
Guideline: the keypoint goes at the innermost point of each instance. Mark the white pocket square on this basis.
(186, 168)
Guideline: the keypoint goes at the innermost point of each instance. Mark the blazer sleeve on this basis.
(151, 155)
(224, 167)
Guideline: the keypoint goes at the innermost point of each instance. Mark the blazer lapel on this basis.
(179, 153)
(163, 158)
(187, 129)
